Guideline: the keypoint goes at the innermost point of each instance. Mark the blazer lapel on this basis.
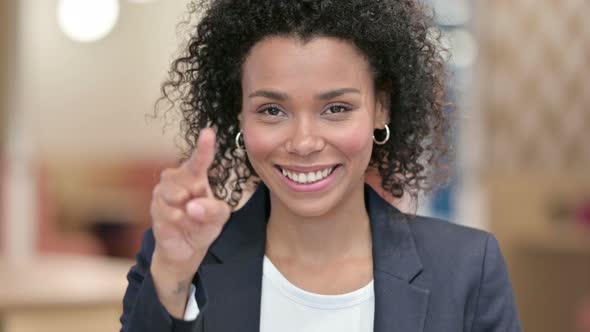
(234, 285)
(399, 304)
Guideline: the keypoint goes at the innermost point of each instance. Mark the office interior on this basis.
(81, 149)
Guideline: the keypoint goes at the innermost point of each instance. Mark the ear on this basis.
(382, 108)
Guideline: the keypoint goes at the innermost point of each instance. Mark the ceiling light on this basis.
(87, 20)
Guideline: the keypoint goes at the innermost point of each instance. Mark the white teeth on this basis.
(307, 177)
(302, 178)
(311, 177)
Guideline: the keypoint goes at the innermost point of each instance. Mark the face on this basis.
(308, 115)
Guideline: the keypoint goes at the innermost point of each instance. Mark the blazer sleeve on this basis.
(142, 310)
(495, 309)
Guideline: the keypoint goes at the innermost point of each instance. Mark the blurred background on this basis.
(80, 153)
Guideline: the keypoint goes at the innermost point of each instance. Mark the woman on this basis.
(307, 97)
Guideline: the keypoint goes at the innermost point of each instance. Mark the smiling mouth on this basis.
(307, 177)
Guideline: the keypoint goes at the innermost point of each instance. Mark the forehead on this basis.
(288, 62)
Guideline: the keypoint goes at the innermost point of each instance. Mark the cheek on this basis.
(259, 142)
(355, 140)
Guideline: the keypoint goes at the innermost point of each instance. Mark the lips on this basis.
(307, 175)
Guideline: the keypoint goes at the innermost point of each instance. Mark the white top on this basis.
(286, 307)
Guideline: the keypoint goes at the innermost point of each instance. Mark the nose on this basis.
(305, 139)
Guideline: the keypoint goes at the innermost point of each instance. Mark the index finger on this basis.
(204, 153)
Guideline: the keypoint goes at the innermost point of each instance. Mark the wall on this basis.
(78, 106)
(532, 80)
(90, 101)
(7, 65)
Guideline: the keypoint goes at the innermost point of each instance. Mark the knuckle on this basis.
(156, 190)
(175, 216)
(167, 174)
(157, 227)
(155, 211)
(174, 196)
(182, 194)
(170, 193)
(197, 187)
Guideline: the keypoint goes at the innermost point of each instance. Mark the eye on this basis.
(337, 109)
(271, 110)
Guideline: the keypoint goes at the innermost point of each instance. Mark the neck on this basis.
(342, 233)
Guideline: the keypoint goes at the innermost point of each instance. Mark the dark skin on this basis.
(325, 114)
(396, 38)
(393, 74)
(186, 219)
(319, 240)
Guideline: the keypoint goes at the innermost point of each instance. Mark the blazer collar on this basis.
(394, 250)
(399, 304)
(236, 282)
(244, 235)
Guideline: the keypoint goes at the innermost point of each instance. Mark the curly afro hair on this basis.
(395, 36)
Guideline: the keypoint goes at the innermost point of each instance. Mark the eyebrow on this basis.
(322, 96)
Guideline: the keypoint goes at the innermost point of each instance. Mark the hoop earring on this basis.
(237, 140)
(387, 133)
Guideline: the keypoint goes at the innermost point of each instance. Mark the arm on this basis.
(495, 309)
(142, 309)
(186, 218)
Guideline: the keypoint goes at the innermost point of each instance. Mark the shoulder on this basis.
(452, 253)
(463, 265)
(460, 262)
(443, 236)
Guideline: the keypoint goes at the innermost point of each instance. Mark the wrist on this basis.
(173, 283)
(174, 270)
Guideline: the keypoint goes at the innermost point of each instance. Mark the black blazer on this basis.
(429, 276)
